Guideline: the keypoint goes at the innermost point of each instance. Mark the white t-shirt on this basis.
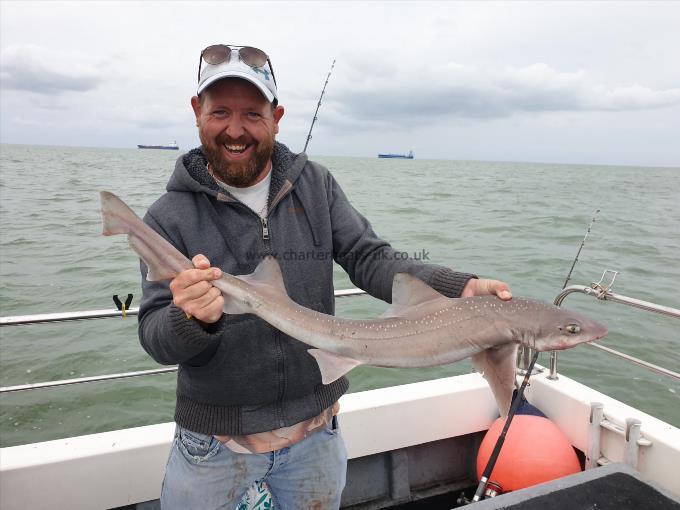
(254, 196)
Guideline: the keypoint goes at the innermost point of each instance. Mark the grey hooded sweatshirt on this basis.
(241, 375)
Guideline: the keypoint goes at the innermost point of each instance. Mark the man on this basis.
(251, 407)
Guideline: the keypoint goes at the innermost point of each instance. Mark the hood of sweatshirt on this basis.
(191, 172)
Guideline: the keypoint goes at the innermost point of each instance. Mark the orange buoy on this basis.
(535, 451)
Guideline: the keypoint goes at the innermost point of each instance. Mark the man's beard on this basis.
(239, 174)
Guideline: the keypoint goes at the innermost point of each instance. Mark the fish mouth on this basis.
(603, 332)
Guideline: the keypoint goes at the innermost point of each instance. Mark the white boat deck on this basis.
(124, 467)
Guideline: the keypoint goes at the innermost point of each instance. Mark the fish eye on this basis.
(573, 329)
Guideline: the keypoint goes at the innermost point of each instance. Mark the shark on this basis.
(421, 327)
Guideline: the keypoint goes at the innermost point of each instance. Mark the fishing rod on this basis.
(501, 439)
(318, 105)
(484, 479)
(592, 221)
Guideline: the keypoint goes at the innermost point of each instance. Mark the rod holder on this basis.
(593, 452)
(630, 454)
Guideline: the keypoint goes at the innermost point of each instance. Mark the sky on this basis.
(572, 82)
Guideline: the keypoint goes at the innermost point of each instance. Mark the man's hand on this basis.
(480, 287)
(193, 293)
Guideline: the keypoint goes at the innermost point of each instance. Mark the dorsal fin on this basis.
(409, 291)
(267, 272)
(266, 279)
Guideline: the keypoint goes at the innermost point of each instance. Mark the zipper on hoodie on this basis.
(265, 228)
(266, 234)
(265, 221)
(287, 186)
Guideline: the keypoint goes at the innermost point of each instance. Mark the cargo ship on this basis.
(169, 147)
(397, 156)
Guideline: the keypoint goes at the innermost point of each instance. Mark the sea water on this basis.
(519, 222)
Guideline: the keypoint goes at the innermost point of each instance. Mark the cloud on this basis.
(435, 92)
(149, 116)
(46, 71)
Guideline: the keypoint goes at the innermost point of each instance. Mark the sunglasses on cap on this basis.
(219, 53)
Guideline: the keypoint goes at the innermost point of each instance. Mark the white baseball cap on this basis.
(226, 61)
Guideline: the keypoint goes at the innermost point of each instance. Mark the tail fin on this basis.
(163, 260)
(116, 215)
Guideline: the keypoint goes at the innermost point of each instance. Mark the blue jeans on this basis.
(204, 474)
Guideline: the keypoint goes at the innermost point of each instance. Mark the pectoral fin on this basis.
(498, 366)
(332, 366)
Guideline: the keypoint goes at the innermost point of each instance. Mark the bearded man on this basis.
(251, 407)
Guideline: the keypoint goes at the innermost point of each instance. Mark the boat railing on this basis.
(45, 318)
(22, 320)
(600, 290)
